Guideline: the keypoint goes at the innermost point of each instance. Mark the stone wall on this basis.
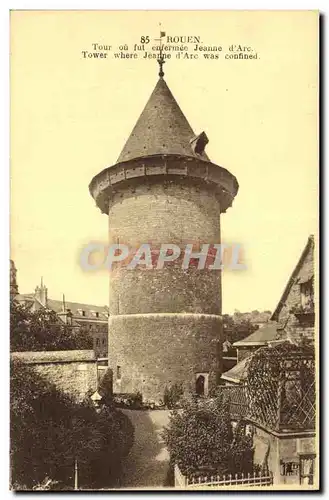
(293, 328)
(73, 372)
(274, 450)
(155, 351)
(165, 325)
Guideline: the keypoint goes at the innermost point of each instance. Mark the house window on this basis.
(289, 468)
(118, 372)
(97, 342)
(307, 295)
(306, 468)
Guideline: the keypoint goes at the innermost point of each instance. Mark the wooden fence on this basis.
(237, 480)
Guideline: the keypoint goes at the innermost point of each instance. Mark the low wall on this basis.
(73, 372)
(276, 450)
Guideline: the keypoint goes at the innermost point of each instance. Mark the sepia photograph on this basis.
(164, 250)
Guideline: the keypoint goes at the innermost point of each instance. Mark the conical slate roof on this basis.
(161, 129)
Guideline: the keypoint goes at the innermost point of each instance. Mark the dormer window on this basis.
(94, 313)
(199, 142)
(83, 313)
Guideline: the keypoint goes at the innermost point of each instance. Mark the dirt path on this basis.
(147, 462)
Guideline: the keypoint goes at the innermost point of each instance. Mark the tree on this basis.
(200, 439)
(49, 431)
(42, 330)
(237, 328)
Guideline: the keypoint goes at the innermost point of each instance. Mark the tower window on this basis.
(199, 385)
(118, 372)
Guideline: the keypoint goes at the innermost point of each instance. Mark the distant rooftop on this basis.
(77, 308)
(260, 337)
(238, 373)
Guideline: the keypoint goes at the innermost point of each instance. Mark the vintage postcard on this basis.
(164, 250)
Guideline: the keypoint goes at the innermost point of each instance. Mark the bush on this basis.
(117, 431)
(173, 395)
(105, 388)
(42, 330)
(49, 431)
(200, 437)
(133, 401)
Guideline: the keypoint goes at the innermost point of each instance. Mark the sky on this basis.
(71, 116)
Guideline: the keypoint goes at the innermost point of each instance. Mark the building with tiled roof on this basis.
(295, 311)
(293, 318)
(257, 339)
(89, 317)
(272, 388)
(238, 373)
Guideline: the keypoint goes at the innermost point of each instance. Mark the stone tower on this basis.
(164, 325)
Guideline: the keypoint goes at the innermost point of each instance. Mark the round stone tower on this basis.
(165, 324)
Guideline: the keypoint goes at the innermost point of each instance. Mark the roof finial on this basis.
(160, 58)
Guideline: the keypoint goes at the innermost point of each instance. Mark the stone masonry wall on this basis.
(72, 378)
(296, 331)
(164, 324)
(155, 351)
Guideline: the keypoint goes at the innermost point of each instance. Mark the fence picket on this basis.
(255, 479)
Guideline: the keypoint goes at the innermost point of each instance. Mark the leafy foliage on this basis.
(49, 430)
(105, 388)
(42, 330)
(237, 328)
(172, 395)
(280, 385)
(133, 400)
(200, 439)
